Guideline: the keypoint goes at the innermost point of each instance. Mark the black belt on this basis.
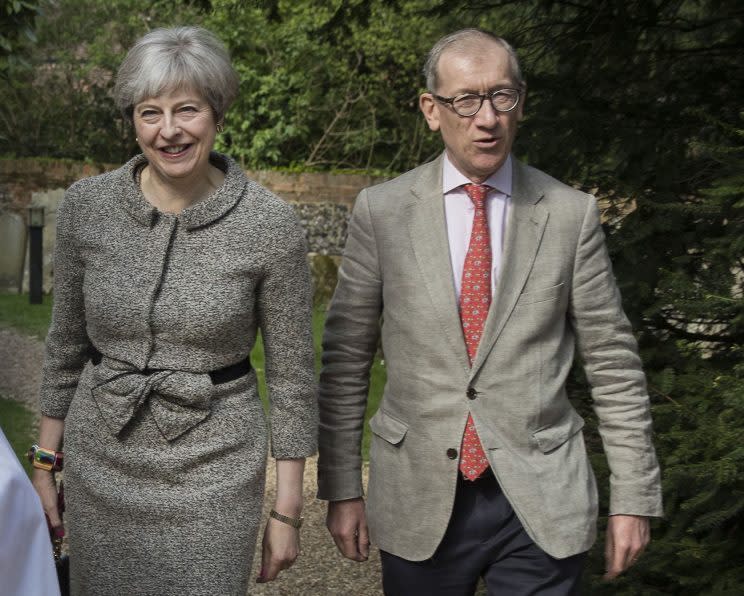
(219, 376)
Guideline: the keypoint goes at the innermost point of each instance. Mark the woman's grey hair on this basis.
(467, 39)
(168, 59)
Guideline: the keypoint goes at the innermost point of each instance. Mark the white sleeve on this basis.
(26, 560)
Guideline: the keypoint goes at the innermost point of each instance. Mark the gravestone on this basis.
(12, 251)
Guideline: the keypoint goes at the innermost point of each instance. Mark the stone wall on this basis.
(20, 178)
(314, 187)
(323, 203)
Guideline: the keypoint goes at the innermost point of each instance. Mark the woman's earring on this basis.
(220, 128)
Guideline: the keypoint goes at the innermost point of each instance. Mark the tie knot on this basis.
(477, 194)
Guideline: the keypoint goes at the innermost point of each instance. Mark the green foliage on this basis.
(332, 84)
(324, 85)
(696, 549)
(58, 103)
(17, 22)
(701, 420)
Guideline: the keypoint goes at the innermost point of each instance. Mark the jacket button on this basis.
(472, 393)
(452, 453)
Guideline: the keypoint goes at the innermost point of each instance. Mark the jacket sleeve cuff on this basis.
(294, 439)
(55, 406)
(339, 485)
(634, 500)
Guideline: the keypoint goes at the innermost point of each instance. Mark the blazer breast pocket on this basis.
(542, 295)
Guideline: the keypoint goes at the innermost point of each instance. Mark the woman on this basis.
(164, 271)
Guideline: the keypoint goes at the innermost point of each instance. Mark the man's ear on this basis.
(430, 110)
(522, 102)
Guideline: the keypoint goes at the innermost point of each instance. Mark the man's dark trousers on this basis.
(484, 538)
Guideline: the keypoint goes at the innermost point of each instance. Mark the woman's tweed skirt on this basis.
(194, 504)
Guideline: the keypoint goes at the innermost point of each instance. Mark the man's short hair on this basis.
(467, 39)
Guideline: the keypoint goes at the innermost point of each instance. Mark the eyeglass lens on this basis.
(469, 105)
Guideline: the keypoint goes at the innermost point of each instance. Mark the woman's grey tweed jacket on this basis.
(164, 471)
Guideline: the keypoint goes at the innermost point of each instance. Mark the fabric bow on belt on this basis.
(178, 400)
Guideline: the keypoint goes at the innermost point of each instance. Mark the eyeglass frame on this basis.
(482, 96)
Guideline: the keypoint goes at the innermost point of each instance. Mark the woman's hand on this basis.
(46, 488)
(281, 542)
(281, 546)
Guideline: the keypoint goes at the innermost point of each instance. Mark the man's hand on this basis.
(347, 523)
(627, 537)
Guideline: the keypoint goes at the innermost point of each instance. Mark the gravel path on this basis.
(21, 357)
(320, 570)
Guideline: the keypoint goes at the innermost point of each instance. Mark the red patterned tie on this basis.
(475, 299)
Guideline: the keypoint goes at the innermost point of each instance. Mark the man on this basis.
(483, 274)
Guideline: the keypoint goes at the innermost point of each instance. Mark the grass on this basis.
(30, 319)
(33, 319)
(17, 423)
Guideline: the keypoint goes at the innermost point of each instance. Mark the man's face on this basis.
(478, 145)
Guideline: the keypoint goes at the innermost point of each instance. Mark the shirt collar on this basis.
(501, 179)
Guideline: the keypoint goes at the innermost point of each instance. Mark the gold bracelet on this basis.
(290, 521)
(46, 459)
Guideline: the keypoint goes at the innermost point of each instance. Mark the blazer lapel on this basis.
(428, 233)
(524, 231)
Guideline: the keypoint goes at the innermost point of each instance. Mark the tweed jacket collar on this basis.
(200, 214)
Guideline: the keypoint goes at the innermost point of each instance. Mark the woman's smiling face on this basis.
(176, 132)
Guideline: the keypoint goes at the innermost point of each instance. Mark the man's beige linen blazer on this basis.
(555, 292)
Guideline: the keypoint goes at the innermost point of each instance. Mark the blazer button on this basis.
(472, 393)
(452, 453)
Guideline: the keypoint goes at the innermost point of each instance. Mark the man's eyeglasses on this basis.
(468, 104)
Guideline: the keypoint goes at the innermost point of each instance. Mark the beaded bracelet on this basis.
(46, 459)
